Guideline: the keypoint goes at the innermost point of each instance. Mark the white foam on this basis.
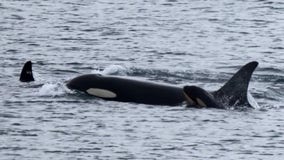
(112, 70)
(52, 89)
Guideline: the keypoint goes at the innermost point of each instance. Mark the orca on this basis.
(127, 90)
(199, 98)
(123, 89)
(233, 93)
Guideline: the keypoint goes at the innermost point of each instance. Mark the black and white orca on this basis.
(127, 90)
(233, 93)
(123, 89)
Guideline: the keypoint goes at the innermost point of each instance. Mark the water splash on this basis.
(112, 70)
(53, 89)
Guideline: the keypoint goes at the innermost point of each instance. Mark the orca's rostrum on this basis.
(123, 89)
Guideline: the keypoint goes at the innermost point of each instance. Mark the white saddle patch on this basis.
(102, 93)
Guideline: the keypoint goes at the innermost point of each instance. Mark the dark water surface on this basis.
(198, 42)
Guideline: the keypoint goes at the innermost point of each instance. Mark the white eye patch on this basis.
(189, 100)
(200, 102)
(102, 93)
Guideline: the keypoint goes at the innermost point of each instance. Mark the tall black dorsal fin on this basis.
(27, 73)
(234, 92)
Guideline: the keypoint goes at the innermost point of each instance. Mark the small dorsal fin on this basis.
(27, 73)
(234, 92)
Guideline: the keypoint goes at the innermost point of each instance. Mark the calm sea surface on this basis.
(197, 42)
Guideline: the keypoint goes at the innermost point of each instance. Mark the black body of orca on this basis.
(233, 93)
(127, 90)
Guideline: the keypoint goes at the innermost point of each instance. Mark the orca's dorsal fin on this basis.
(234, 92)
(27, 73)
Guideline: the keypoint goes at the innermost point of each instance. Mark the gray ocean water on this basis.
(197, 42)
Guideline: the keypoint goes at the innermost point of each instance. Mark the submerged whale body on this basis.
(123, 89)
